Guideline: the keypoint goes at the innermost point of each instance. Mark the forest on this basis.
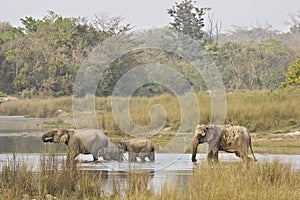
(42, 58)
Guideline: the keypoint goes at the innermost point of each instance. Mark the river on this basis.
(23, 138)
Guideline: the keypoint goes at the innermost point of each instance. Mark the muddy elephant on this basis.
(84, 141)
(138, 147)
(111, 153)
(228, 138)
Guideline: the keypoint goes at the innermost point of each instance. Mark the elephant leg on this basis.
(143, 158)
(243, 156)
(134, 155)
(131, 156)
(195, 148)
(209, 157)
(95, 157)
(215, 157)
(151, 156)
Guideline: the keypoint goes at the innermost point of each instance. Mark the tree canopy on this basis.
(188, 19)
(43, 57)
(293, 74)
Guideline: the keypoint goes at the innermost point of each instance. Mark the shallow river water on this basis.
(168, 167)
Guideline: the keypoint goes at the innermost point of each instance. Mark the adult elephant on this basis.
(138, 147)
(84, 141)
(228, 138)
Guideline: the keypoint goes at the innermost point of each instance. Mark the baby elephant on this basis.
(138, 147)
(111, 153)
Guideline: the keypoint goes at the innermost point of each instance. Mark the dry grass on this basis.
(36, 107)
(238, 181)
(221, 181)
(259, 111)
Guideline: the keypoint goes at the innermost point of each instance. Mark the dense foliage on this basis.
(188, 18)
(293, 74)
(43, 57)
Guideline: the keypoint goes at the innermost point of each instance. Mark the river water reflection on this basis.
(172, 168)
(168, 167)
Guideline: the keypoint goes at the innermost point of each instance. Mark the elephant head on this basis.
(204, 134)
(60, 135)
(199, 136)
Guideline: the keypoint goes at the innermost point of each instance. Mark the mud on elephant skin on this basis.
(84, 141)
(111, 153)
(228, 138)
(138, 147)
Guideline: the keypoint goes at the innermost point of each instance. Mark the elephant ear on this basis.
(200, 130)
(210, 133)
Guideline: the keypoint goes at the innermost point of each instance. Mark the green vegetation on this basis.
(222, 181)
(188, 19)
(43, 58)
(39, 63)
(293, 74)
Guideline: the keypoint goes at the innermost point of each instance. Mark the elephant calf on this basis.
(111, 153)
(138, 147)
(85, 141)
(228, 138)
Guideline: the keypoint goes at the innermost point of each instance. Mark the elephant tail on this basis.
(252, 150)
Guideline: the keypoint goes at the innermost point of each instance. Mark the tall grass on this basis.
(36, 107)
(237, 181)
(259, 111)
(56, 180)
(264, 110)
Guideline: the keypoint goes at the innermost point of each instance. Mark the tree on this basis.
(294, 23)
(44, 57)
(293, 74)
(188, 19)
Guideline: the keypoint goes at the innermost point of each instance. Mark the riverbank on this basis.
(271, 116)
(260, 111)
(30, 142)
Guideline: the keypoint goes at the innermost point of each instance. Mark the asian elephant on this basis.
(228, 138)
(84, 141)
(138, 147)
(111, 153)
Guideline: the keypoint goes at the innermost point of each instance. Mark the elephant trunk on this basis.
(48, 137)
(195, 144)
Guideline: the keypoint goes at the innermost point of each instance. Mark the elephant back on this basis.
(92, 139)
(231, 132)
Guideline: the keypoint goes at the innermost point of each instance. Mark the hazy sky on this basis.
(153, 13)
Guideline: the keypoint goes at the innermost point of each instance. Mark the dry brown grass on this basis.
(220, 181)
(260, 111)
